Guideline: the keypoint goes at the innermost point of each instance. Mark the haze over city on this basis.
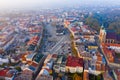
(59, 39)
(27, 4)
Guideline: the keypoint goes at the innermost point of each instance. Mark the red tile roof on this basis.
(33, 40)
(118, 73)
(1, 51)
(108, 53)
(73, 29)
(3, 72)
(74, 61)
(34, 64)
(27, 71)
(54, 56)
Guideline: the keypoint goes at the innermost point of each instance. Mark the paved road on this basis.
(39, 67)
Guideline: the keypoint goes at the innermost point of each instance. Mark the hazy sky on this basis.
(51, 3)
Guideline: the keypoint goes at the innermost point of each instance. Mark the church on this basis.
(108, 36)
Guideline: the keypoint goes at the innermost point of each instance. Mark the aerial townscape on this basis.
(72, 43)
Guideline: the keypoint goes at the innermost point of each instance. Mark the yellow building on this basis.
(102, 35)
(92, 47)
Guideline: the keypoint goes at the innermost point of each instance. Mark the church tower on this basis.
(102, 34)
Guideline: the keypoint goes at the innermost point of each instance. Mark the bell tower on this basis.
(102, 34)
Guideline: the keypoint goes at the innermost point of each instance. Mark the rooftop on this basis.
(44, 77)
(3, 72)
(110, 35)
(74, 61)
(118, 73)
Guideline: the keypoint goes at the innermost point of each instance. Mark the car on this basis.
(59, 34)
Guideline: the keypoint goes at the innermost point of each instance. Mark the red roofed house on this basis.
(3, 74)
(74, 64)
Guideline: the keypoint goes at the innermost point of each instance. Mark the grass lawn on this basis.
(117, 55)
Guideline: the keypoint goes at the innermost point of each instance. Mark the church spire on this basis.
(102, 26)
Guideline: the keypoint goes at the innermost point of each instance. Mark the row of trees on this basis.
(73, 46)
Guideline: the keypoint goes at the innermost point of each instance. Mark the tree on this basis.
(18, 68)
(115, 26)
(93, 23)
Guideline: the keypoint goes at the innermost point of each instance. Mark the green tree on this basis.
(18, 68)
(93, 23)
(115, 26)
